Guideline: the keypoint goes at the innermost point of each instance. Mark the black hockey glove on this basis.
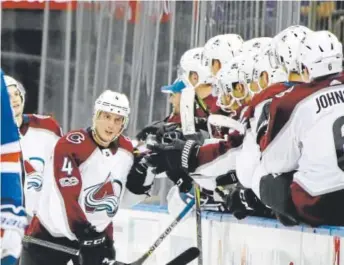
(180, 178)
(137, 176)
(242, 202)
(150, 129)
(169, 132)
(176, 155)
(227, 179)
(96, 248)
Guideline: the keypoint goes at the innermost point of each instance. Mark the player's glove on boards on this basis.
(242, 202)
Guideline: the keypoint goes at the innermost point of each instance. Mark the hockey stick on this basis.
(76, 252)
(51, 245)
(185, 257)
(198, 221)
(167, 231)
(188, 127)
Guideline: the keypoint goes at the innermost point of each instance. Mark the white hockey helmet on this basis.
(113, 102)
(321, 53)
(221, 47)
(191, 62)
(255, 45)
(192, 54)
(264, 62)
(246, 69)
(286, 45)
(10, 81)
(227, 78)
(188, 67)
(235, 43)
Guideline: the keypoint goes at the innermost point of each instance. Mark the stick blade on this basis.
(185, 257)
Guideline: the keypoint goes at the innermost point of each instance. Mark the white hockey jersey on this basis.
(39, 134)
(255, 117)
(306, 133)
(84, 184)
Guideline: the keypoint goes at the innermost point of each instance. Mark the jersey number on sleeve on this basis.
(67, 166)
(338, 135)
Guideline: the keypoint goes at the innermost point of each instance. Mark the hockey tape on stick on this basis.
(187, 116)
(47, 244)
(185, 257)
(198, 221)
(161, 238)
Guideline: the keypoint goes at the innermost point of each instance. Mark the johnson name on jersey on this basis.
(308, 120)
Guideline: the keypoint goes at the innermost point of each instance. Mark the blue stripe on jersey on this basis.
(11, 192)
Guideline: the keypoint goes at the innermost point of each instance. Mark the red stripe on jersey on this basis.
(10, 157)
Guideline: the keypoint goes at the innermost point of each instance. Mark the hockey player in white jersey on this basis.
(91, 173)
(301, 173)
(214, 155)
(38, 136)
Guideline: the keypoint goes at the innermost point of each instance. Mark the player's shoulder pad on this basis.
(76, 143)
(76, 137)
(45, 122)
(125, 143)
(267, 93)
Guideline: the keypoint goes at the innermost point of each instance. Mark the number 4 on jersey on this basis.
(338, 135)
(67, 166)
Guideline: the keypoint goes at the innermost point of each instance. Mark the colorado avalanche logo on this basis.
(34, 179)
(103, 197)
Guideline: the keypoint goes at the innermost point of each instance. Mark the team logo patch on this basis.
(33, 178)
(68, 181)
(75, 137)
(103, 197)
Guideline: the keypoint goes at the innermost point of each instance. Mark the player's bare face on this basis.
(239, 91)
(226, 99)
(175, 101)
(108, 126)
(215, 67)
(16, 101)
(193, 78)
(263, 80)
(305, 75)
(254, 87)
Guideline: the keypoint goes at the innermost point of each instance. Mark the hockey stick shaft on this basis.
(76, 252)
(161, 238)
(198, 221)
(51, 245)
